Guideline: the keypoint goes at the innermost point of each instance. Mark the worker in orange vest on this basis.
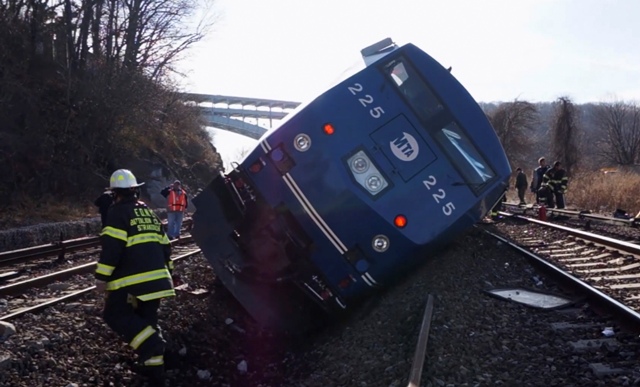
(177, 203)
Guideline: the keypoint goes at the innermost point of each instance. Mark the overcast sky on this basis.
(535, 50)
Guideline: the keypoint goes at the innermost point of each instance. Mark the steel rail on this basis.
(617, 244)
(77, 294)
(632, 222)
(57, 248)
(20, 287)
(46, 279)
(596, 296)
(421, 347)
(43, 251)
(44, 305)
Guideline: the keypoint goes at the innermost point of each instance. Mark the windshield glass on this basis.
(418, 95)
(464, 155)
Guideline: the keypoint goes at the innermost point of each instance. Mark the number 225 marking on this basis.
(376, 112)
(439, 195)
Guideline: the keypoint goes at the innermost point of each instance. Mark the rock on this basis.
(6, 330)
(59, 286)
(5, 361)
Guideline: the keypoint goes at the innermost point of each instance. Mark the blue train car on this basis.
(340, 198)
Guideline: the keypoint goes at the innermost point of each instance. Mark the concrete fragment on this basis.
(601, 370)
(590, 345)
(565, 325)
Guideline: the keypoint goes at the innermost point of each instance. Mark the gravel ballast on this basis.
(475, 339)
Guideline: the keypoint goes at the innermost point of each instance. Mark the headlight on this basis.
(380, 243)
(366, 174)
(302, 142)
(359, 165)
(374, 183)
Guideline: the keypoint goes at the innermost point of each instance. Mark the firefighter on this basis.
(545, 193)
(135, 271)
(558, 183)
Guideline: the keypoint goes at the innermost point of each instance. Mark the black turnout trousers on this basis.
(137, 322)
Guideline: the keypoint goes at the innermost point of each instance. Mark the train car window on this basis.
(465, 156)
(416, 92)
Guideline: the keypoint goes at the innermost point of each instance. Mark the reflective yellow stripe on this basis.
(160, 294)
(170, 265)
(138, 278)
(104, 269)
(154, 361)
(165, 240)
(114, 233)
(145, 238)
(142, 336)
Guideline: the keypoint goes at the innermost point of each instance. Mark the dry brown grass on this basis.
(605, 193)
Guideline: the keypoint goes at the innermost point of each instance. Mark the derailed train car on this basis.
(343, 195)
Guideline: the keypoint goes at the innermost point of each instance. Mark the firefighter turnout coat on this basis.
(135, 252)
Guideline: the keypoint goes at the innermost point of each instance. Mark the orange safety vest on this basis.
(177, 201)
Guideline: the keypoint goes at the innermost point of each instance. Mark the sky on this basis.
(500, 50)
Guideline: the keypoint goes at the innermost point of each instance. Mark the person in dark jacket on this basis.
(521, 185)
(103, 202)
(538, 177)
(135, 271)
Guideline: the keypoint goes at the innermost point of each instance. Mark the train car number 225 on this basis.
(439, 195)
(366, 100)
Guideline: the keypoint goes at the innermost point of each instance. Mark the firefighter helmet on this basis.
(123, 178)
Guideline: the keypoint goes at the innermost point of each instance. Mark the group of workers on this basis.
(548, 184)
(135, 267)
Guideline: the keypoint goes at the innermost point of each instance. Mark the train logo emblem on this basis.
(405, 147)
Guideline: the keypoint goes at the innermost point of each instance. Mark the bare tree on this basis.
(620, 122)
(514, 122)
(565, 132)
(151, 35)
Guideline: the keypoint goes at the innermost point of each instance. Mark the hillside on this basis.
(85, 90)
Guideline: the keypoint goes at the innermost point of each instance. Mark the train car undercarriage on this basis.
(260, 254)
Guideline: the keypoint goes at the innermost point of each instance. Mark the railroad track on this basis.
(584, 218)
(606, 268)
(20, 285)
(58, 249)
(603, 273)
(39, 299)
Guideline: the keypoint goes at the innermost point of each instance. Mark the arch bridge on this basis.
(240, 115)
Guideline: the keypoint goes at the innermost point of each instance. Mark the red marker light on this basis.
(344, 283)
(256, 166)
(400, 221)
(328, 129)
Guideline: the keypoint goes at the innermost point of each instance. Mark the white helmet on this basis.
(123, 178)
